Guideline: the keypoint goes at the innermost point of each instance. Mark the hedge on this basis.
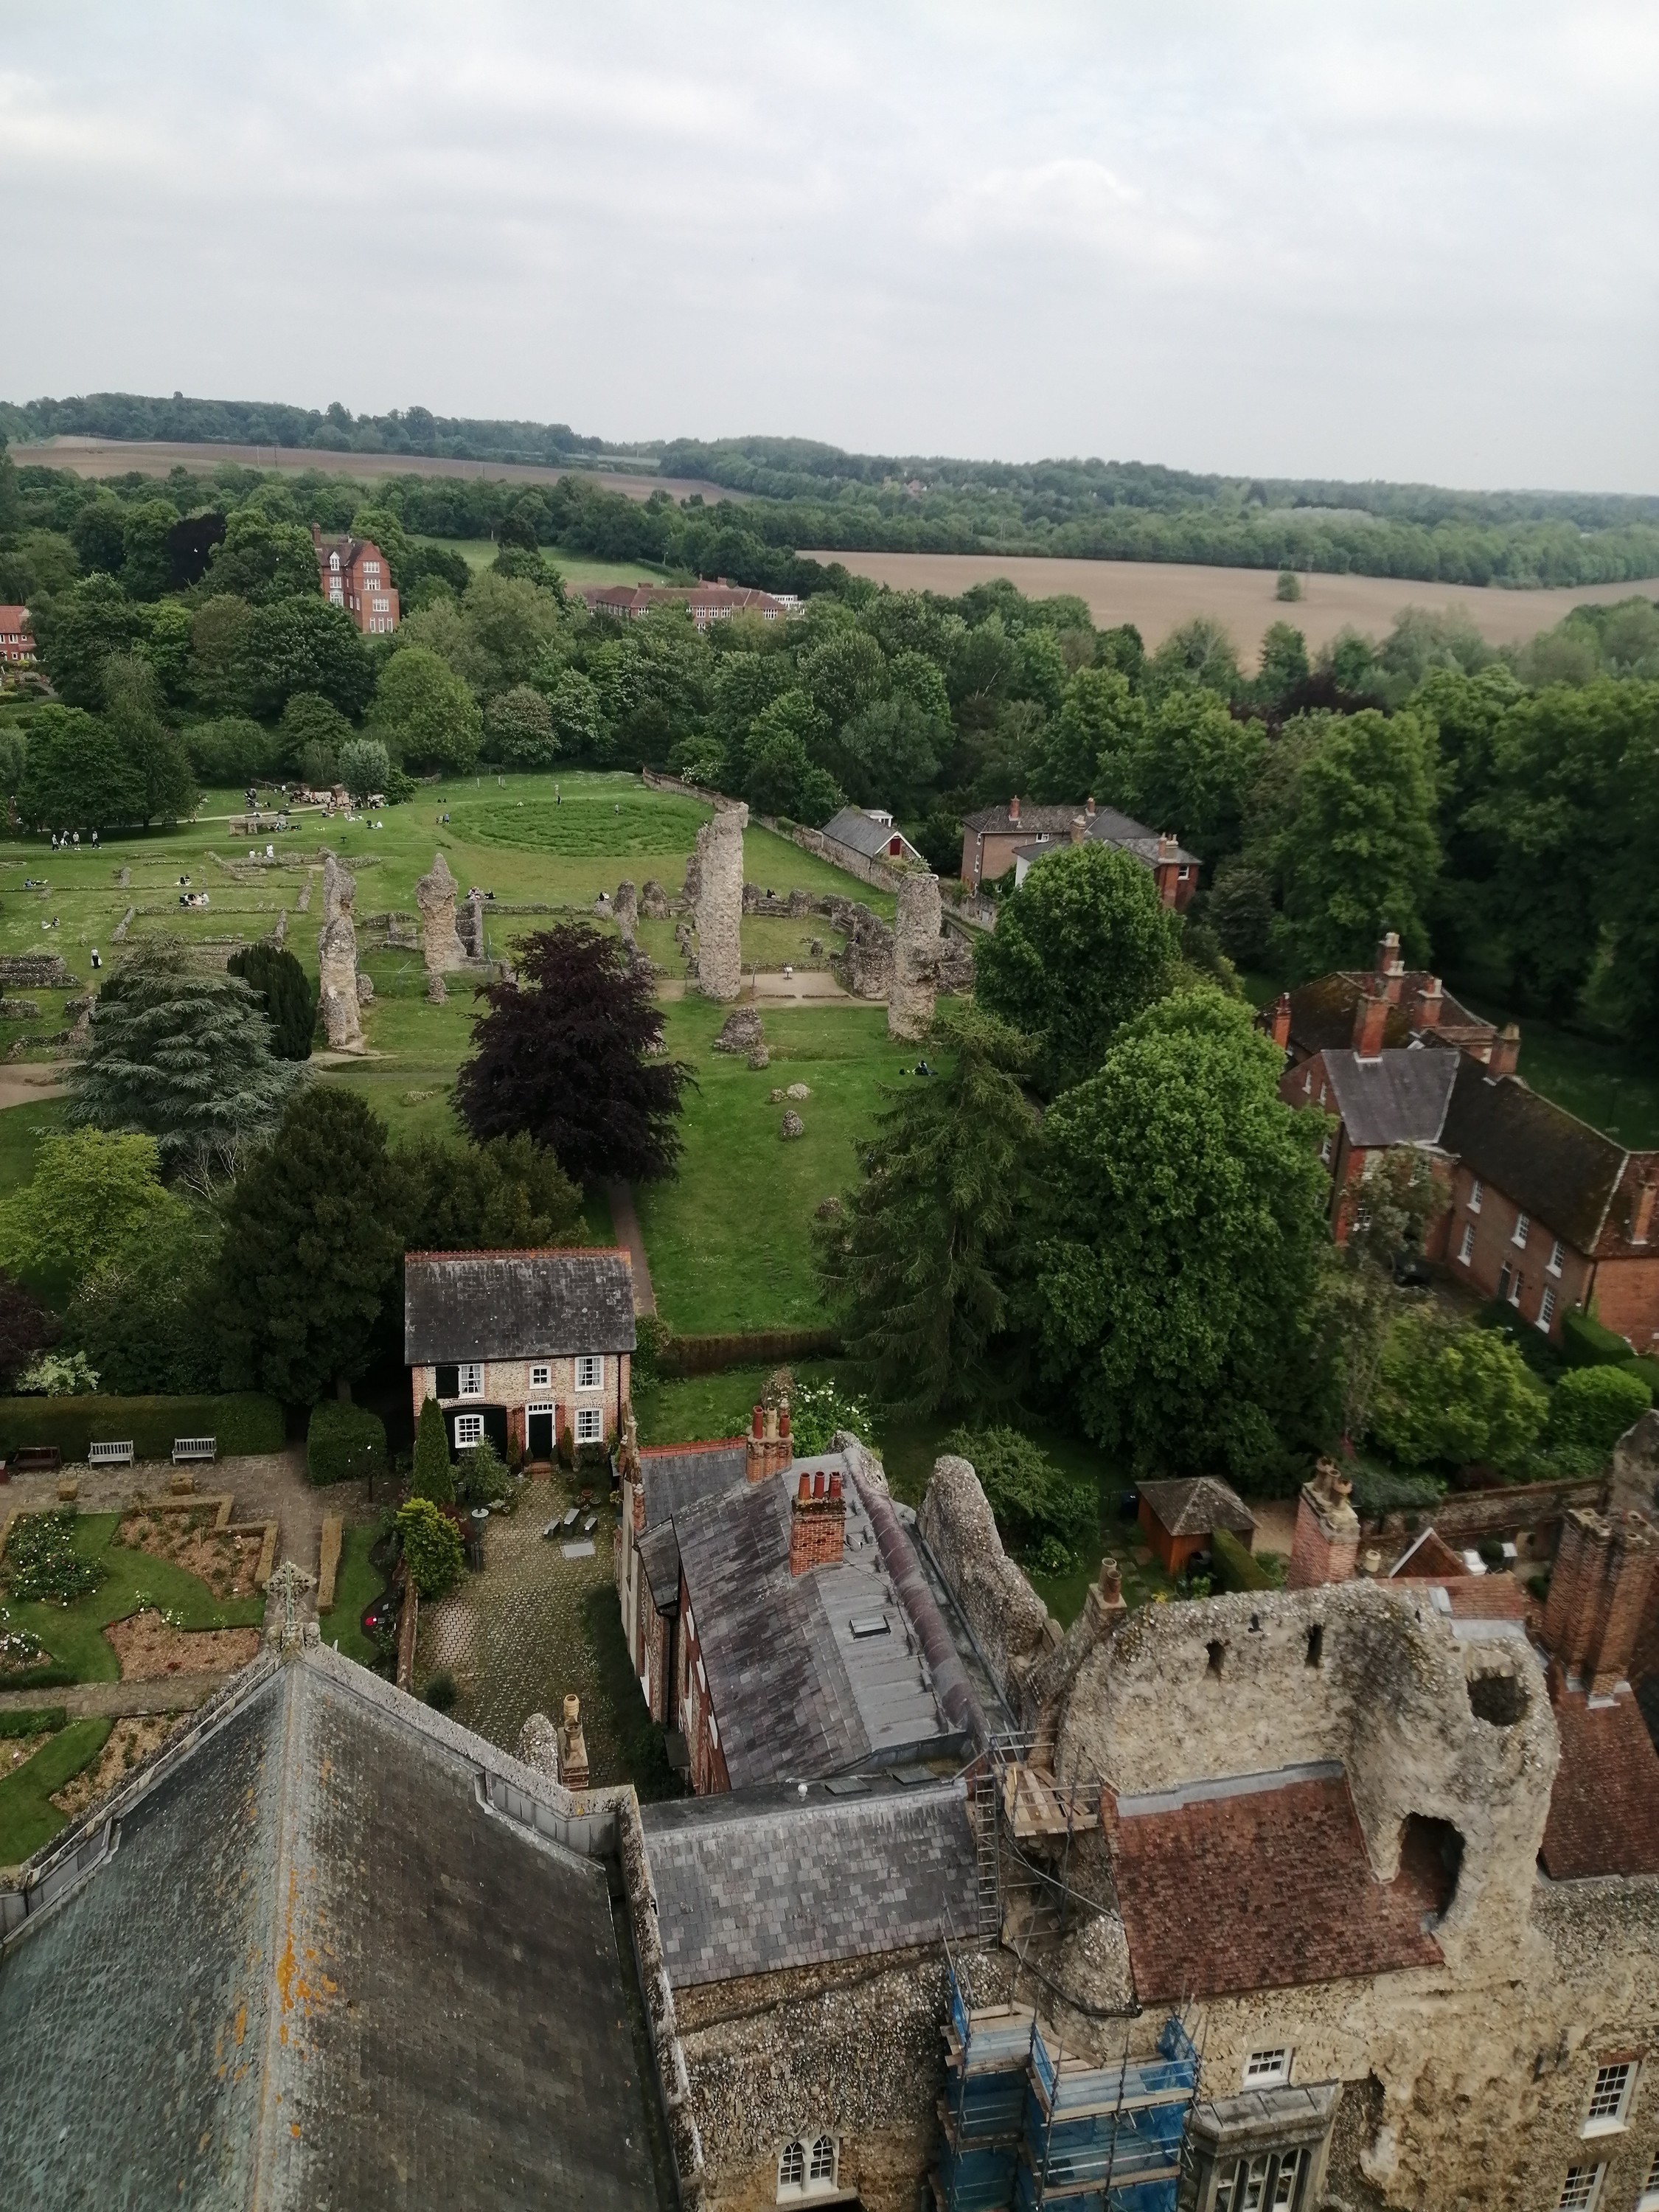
(243, 1421)
(682, 1356)
(1236, 1568)
(35, 1720)
(1587, 1343)
(344, 1442)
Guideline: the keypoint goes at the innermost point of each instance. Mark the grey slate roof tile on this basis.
(674, 1480)
(515, 1305)
(1399, 1098)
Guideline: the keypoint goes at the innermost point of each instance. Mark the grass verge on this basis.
(29, 1818)
(357, 1582)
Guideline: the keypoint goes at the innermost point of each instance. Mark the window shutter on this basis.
(449, 1381)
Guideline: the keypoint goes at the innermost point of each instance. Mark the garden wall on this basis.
(681, 1356)
(1465, 1516)
(243, 1421)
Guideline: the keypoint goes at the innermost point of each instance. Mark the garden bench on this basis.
(186, 1448)
(36, 1459)
(110, 1455)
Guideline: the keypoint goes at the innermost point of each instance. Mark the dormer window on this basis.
(334, 562)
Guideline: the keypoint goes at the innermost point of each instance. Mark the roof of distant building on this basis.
(863, 833)
(1556, 1167)
(1427, 1558)
(1053, 826)
(225, 2009)
(516, 1304)
(1193, 1505)
(1397, 1098)
(1604, 1808)
(746, 1885)
(797, 1691)
(13, 619)
(717, 598)
(1322, 1012)
(1256, 1882)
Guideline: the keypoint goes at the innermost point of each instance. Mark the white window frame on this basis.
(469, 1379)
(801, 2175)
(1325, 1150)
(1269, 2068)
(590, 1425)
(1547, 1307)
(590, 1370)
(469, 1431)
(1521, 1232)
(1474, 1197)
(1558, 1255)
(1609, 2099)
(1581, 2191)
(1466, 1249)
(1648, 2200)
(541, 1375)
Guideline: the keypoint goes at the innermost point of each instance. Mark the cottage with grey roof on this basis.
(521, 1346)
(998, 838)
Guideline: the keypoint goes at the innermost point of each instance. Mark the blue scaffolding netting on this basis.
(1022, 2125)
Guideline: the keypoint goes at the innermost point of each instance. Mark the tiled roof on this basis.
(745, 1889)
(1050, 827)
(13, 619)
(229, 2011)
(860, 833)
(1427, 1558)
(676, 1476)
(660, 1555)
(1398, 1098)
(1550, 1164)
(1322, 1012)
(795, 1693)
(1195, 1505)
(1604, 1808)
(515, 1305)
(997, 822)
(1265, 1884)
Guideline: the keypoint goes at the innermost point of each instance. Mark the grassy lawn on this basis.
(75, 1634)
(728, 1238)
(574, 568)
(705, 1408)
(356, 1584)
(28, 1818)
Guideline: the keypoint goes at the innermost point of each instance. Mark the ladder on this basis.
(988, 1857)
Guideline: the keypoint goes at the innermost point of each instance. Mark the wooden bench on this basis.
(188, 1450)
(36, 1459)
(110, 1455)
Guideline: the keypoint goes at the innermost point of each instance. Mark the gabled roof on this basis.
(1322, 1010)
(13, 619)
(1195, 1505)
(674, 1476)
(748, 1885)
(1398, 1098)
(317, 1971)
(1256, 1882)
(1604, 1808)
(860, 833)
(997, 822)
(516, 1304)
(1550, 1164)
(1050, 827)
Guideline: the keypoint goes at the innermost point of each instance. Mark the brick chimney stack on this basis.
(1599, 1592)
(1078, 827)
(1505, 1051)
(1390, 968)
(1641, 1219)
(770, 1449)
(1430, 1003)
(1089, 807)
(1370, 1023)
(816, 1523)
(1014, 811)
(1281, 1030)
(1326, 1546)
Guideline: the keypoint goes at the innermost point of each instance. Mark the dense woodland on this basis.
(1498, 809)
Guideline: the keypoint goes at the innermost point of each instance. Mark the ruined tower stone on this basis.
(720, 903)
(915, 956)
(653, 900)
(336, 978)
(339, 889)
(435, 896)
(625, 911)
(469, 925)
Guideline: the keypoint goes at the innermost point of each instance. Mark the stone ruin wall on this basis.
(915, 956)
(719, 878)
(435, 894)
(1009, 1621)
(339, 984)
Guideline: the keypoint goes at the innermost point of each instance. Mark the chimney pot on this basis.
(818, 1484)
(803, 1489)
(756, 1421)
(835, 1486)
(1089, 808)
(783, 1421)
(1079, 826)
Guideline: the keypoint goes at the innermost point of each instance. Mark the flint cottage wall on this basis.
(512, 1384)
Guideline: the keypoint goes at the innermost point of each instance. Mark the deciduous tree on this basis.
(92, 1193)
(424, 713)
(1360, 853)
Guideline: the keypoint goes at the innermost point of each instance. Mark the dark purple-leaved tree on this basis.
(569, 1056)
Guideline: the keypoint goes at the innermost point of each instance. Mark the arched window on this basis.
(791, 2166)
(807, 2168)
(823, 2168)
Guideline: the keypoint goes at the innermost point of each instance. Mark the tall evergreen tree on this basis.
(433, 1476)
(284, 991)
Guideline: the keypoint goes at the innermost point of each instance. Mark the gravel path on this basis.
(173, 1694)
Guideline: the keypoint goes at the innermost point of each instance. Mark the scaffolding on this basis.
(1023, 2126)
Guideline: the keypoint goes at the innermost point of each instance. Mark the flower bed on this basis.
(42, 1565)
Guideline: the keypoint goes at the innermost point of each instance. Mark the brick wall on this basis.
(1492, 1249)
(1627, 1299)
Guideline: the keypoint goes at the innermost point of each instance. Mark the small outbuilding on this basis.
(1179, 1518)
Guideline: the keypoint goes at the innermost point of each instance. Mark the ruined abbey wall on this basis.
(719, 891)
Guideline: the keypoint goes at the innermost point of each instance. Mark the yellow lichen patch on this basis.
(241, 2020)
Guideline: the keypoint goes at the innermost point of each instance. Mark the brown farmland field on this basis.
(1157, 596)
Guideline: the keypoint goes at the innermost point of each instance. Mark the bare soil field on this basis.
(115, 457)
(1157, 596)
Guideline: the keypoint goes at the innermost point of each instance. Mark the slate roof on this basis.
(675, 1476)
(1322, 1012)
(1195, 1505)
(516, 1304)
(1398, 1098)
(747, 1888)
(1105, 826)
(316, 1972)
(996, 822)
(795, 1693)
(1554, 1166)
(860, 833)
(1604, 1807)
(660, 1555)
(1258, 1882)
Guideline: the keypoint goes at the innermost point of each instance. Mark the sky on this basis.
(1406, 240)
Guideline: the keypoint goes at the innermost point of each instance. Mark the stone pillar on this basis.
(1599, 1593)
(573, 1746)
(435, 894)
(625, 911)
(915, 956)
(339, 991)
(1326, 1547)
(470, 926)
(339, 889)
(720, 903)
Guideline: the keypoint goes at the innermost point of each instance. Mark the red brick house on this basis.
(999, 838)
(705, 603)
(353, 574)
(16, 637)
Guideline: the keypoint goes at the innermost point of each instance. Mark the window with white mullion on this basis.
(1580, 2189)
(470, 1379)
(1609, 2097)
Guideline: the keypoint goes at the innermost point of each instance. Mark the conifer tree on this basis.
(290, 1005)
(433, 1476)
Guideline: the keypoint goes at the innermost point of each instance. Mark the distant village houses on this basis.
(704, 603)
(999, 838)
(16, 637)
(353, 574)
(868, 833)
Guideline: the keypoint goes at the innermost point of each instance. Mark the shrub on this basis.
(1594, 1406)
(1236, 1568)
(440, 1692)
(566, 1446)
(592, 1459)
(650, 1340)
(243, 1421)
(480, 1475)
(344, 1442)
(59, 1375)
(365, 766)
(1455, 1395)
(816, 1410)
(1587, 1343)
(42, 1565)
(43, 1720)
(432, 1547)
(1031, 1497)
(433, 1476)
(1378, 1491)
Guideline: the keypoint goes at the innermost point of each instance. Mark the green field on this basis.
(355, 1584)
(574, 568)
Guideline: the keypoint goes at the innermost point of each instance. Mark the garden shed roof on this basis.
(516, 1304)
(863, 834)
(1196, 1504)
(258, 2024)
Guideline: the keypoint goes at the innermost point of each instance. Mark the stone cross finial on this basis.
(288, 1581)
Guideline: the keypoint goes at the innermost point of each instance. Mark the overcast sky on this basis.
(1407, 239)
